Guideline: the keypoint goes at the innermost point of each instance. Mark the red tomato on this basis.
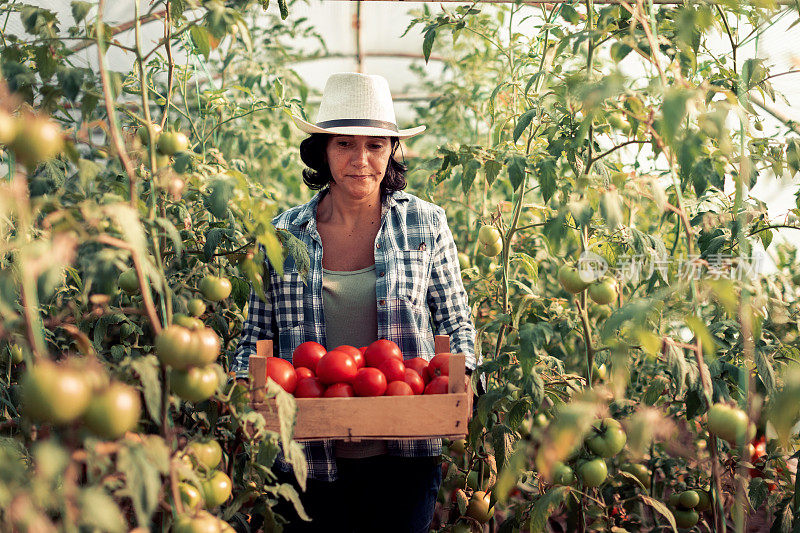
(417, 364)
(335, 367)
(369, 382)
(414, 380)
(282, 372)
(339, 390)
(393, 369)
(399, 388)
(439, 366)
(438, 385)
(381, 350)
(362, 349)
(309, 388)
(355, 353)
(308, 355)
(304, 372)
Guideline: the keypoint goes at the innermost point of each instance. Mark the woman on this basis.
(383, 264)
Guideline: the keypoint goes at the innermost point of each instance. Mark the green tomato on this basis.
(674, 499)
(172, 142)
(685, 519)
(563, 474)
(689, 499)
(208, 452)
(198, 522)
(217, 489)
(8, 127)
(479, 508)
(190, 496)
(53, 393)
(703, 501)
(128, 281)
(730, 423)
(607, 438)
(144, 137)
(173, 347)
(189, 322)
(194, 384)
(16, 354)
(603, 291)
(463, 261)
(114, 411)
(593, 472)
(570, 279)
(488, 234)
(196, 307)
(640, 472)
(215, 288)
(37, 139)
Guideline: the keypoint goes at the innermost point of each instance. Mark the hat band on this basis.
(363, 122)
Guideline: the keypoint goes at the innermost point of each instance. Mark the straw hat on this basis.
(357, 104)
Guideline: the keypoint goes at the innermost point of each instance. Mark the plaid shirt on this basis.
(418, 288)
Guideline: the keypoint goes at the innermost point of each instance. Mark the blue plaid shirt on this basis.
(418, 290)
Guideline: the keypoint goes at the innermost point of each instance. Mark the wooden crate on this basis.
(373, 418)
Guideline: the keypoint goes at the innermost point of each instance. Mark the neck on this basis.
(337, 208)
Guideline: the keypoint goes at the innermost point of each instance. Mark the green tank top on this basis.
(351, 310)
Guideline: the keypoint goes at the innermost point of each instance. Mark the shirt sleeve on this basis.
(258, 326)
(447, 298)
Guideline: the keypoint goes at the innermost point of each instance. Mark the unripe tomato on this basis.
(607, 438)
(37, 139)
(417, 364)
(490, 240)
(53, 393)
(215, 288)
(380, 350)
(128, 281)
(639, 471)
(685, 518)
(190, 496)
(729, 423)
(458, 447)
(144, 137)
(355, 353)
(309, 387)
(603, 291)
(8, 127)
(478, 507)
(303, 373)
(194, 384)
(339, 390)
(282, 372)
(208, 452)
(369, 382)
(205, 346)
(688, 499)
(570, 279)
(399, 388)
(173, 347)
(172, 142)
(438, 385)
(593, 472)
(336, 367)
(704, 501)
(463, 261)
(189, 322)
(16, 354)
(114, 412)
(393, 369)
(563, 474)
(308, 355)
(196, 307)
(199, 522)
(414, 381)
(216, 489)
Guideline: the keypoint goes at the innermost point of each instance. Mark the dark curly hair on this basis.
(318, 174)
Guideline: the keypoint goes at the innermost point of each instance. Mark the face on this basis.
(358, 163)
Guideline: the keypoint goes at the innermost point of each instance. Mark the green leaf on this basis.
(297, 250)
(523, 122)
(661, 508)
(99, 511)
(701, 331)
(619, 51)
(570, 14)
(142, 481)
(297, 459)
(673, 112)
(284, 9)
(219, 197)
(509, 474)
(469, 173)
(757, 492)
(80, 10)
(503, 439)
(611, 209)
(491, 168)
(529, 264)
(427, 43)
(213, 239)
(173, 234)
(287, 412)
(87, 170)
(289, 493)
(147, 368)
(793, 156)
(545, 506)
(766, 372)
(201, 40)
(516, 170)
(546, 174)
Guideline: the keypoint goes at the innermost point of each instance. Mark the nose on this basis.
(360, 156)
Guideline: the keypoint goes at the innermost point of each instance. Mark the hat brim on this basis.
(357, 130)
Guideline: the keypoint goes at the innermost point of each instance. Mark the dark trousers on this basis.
(382, 493)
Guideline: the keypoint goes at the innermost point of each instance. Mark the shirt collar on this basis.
(308, 210)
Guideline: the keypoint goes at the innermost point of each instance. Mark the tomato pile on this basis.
(346, 371)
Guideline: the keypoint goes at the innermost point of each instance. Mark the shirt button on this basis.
(382, 274)
(378, 245)
(382, 302)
